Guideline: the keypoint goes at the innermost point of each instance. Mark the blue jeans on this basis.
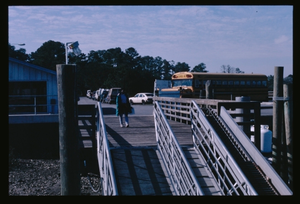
(121, 118)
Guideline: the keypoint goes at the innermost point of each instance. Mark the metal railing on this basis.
(180, 173)
(227, 173)
(255, 154)
(108, 181)
(32, 104)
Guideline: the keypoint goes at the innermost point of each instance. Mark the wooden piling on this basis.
(208, 89)
(68, 130)
(277, 117)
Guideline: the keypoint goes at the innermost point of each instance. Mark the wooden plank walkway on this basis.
(139, 172)
(140, 133)
(205, 178)
(137, 163)
(183, 133)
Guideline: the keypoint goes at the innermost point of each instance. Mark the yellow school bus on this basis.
(225, 86)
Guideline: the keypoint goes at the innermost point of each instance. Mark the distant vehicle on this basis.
(103, 94)
(112, 95)
(93, 95)
(225, 86)
(160, 84)
(142, 98)
(88, 93)
(97, 94)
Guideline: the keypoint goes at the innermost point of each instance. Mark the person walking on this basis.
(123, 107)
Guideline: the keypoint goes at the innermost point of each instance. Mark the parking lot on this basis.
(147, 109)
(139, 109)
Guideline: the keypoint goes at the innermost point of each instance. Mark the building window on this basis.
(27, 94)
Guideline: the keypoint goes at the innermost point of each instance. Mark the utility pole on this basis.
(68, 129)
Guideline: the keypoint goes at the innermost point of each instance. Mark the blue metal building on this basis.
(32, 89)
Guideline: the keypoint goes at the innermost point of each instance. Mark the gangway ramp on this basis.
(127, 157)
(183, 134)
(139, 172)
(236, 163)
(186, 168)
(207, 182)
(251, 171)
(232, 159)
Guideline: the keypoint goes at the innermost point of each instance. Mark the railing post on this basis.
(288, 119)
(245, 118)
(34, 101)
(68, 130)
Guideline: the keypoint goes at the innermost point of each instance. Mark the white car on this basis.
(142, 98)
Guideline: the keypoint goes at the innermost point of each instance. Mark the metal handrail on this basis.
(109, 186)
(255, 154)
(51, 107)
(226, 171)
(180, 173)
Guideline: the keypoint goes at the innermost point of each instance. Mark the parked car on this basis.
(103, 95)
(93, 95)
(142, 98)
(88, 93)
(112, 95)
(97, 94)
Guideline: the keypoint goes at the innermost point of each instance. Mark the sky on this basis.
(252, 38)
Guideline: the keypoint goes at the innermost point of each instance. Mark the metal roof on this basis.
(32, 66)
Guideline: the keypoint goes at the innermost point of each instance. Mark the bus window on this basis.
(253, 83)
(224, 83)
(230, 83)
(182, 82)
(264, 83)
(258, 83)
(219, 83)
(236, 83)
(242, 83)
(248, 83)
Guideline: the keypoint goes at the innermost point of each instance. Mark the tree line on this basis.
(113, 67)
(107, 68)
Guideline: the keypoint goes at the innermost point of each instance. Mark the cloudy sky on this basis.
(253, 38)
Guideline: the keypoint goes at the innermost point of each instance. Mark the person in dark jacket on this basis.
(123, 107)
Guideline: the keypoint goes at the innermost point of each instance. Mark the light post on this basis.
(74, 47)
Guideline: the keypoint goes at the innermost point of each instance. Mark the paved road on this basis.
(109, 109)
